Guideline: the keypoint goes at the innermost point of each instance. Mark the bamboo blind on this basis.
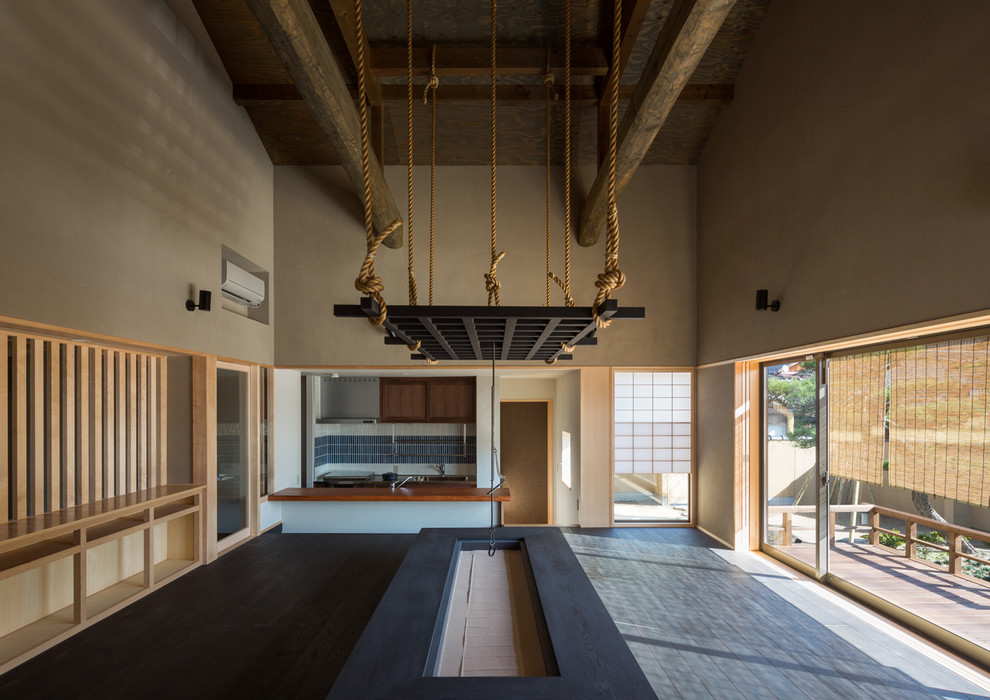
(78, 423)
(857, 396)
(939, 414)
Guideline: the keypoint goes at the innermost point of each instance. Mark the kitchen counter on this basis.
(417, 492)
(382, 509)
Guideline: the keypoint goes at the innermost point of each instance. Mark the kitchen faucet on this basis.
(443, 470)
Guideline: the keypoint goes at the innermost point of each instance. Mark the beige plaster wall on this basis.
(850, 178)
(714, 459)
(125, 167)
(319, 246)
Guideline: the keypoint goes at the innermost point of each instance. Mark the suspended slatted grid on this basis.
(517, 333)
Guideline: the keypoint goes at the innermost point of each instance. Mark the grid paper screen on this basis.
(652, 423)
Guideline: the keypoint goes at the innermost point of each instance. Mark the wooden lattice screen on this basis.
(857, 386)
(939, 410)
(78, 423)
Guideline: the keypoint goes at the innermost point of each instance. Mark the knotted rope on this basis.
(492, 285)
(551, 95)
(565, 285)
(413, 291)
(612, 278)
(367, 282)
(433, 84)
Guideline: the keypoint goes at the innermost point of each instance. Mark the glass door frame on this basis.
(820, 478)
(251, 421)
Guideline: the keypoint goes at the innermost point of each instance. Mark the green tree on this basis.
(799, 394)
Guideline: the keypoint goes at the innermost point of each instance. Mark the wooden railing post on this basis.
(831, 528)
(955, 561)
(874, 527)
(788, 541)
(910, 536)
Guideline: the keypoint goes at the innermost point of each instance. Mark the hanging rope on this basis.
(612, 278)
(551, 95)
(566, 284)
(433, 84)
(492, 285)
(367, 282)
(413, 291)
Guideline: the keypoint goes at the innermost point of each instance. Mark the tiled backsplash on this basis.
(342, 447)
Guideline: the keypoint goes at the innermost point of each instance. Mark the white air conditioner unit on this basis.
(241, 286)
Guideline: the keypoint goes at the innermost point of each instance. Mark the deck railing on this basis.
(953, 534)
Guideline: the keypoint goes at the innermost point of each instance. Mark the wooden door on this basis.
(525, 461)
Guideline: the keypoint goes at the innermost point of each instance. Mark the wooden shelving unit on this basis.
(63, 571)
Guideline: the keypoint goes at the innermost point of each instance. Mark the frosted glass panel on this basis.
(652, 414)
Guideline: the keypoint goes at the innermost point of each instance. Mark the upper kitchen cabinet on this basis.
(435, 400)
(450, 400)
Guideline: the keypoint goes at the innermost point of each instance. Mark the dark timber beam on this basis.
(689, 29)
(693, 94)
(302, 47)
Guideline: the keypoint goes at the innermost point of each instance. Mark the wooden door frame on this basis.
(252, 420)
(550, 452)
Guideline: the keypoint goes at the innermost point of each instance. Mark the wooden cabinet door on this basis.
(451, 400)
(403, 400)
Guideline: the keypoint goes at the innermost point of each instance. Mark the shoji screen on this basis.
(652, 422)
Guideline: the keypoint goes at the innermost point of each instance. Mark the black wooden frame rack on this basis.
(513, 333)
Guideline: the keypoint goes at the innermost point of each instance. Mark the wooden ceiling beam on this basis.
(458, 61)
(299, 42)
(690, 28)
(700, 94)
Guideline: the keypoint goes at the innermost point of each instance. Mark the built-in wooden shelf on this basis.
(70, 568)
(117, 527)
(168, 569)
(40, 634)
(174, 510)
(15, 561)
(111, 596)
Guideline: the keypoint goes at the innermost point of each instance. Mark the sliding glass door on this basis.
(233, 463)
(792, 474)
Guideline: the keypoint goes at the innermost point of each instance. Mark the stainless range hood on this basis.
(348, 400)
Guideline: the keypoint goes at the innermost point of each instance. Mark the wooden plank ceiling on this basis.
(459, 28)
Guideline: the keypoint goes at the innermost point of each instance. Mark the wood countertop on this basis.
(419, 492)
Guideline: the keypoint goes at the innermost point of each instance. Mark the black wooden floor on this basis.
(274, 618)
(277, 617)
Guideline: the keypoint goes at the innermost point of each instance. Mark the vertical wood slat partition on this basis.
(78, 423)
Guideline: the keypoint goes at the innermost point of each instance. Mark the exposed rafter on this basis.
(461, 61)
(689, 29)
(302, 47)
(691, 94)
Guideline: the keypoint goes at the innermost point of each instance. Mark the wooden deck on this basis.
(959, 605)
